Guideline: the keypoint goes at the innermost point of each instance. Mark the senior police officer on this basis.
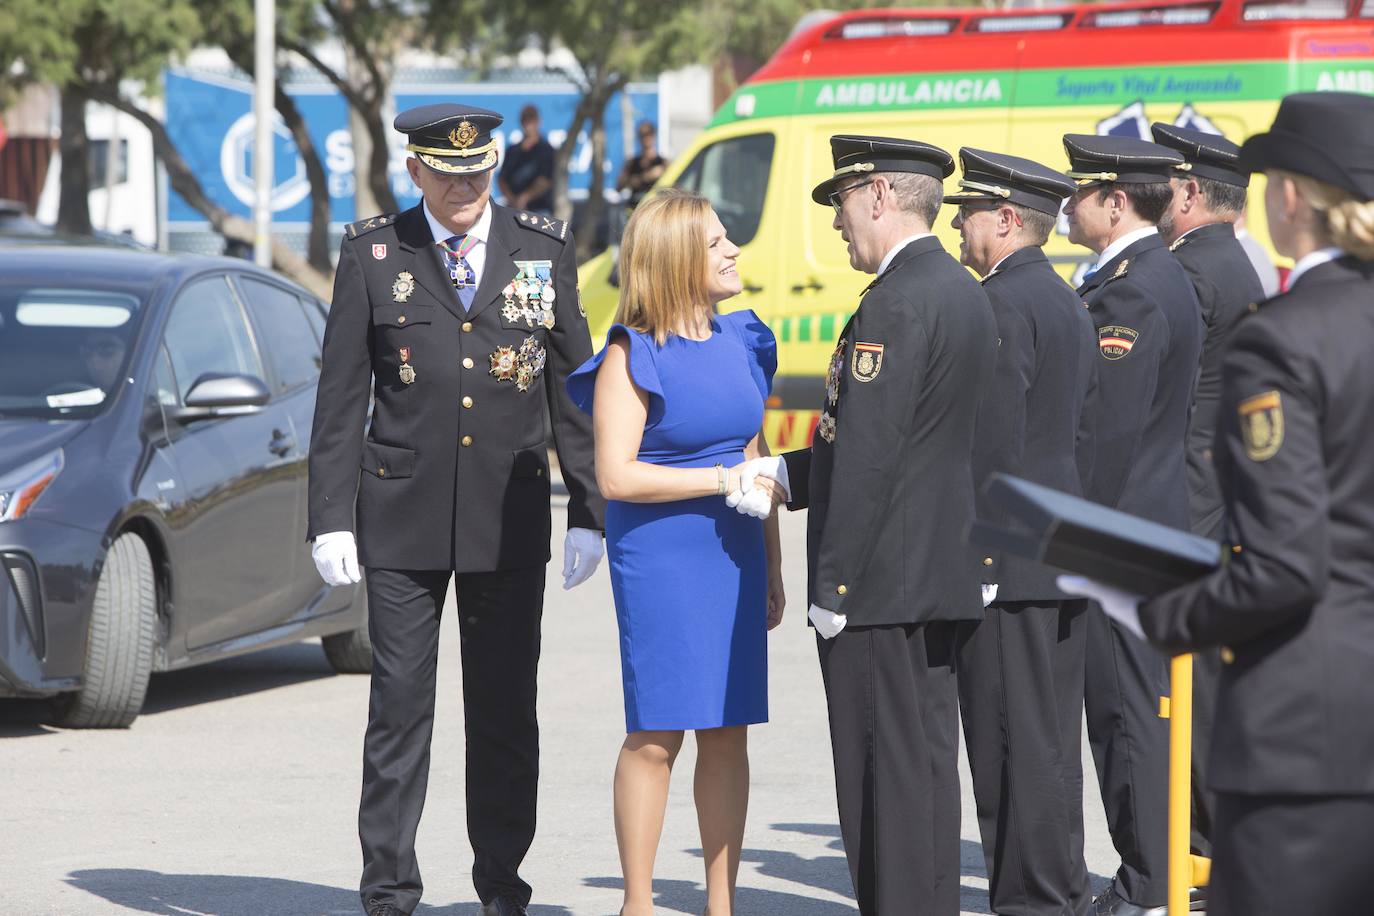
(890, 490)
(464, 316)
(1020, 669)
(1149, 338)
(1209, 196)
(1293, 609)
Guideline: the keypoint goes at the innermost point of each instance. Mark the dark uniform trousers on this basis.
(889, 489)
(451, 477)
(1021, 668)
(1293, 609)
(1226, 285)
(498, 625)
(1150, 334)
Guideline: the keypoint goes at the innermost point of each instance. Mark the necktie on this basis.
(460, 272)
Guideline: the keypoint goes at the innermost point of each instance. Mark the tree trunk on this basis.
(184, 181)
(317, 248)
(74, 201)
(379, 164)
(562, 158)
(588, 239)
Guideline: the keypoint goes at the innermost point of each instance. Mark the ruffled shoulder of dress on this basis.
(643, 369)
(758, 339)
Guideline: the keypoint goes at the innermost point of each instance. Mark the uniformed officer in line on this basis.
(1209, 195)
(1149, 341)
(890, 489)
(462, 318)
(1293, 609)
(1020, 669)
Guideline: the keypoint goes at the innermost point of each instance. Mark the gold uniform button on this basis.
(1227, 655)
(467, 325)
(401, 320)
(467, 362)
(467, 440)
(381, 472)
(987, 561)
(467, 402)
(841, 590)
(1235, 548)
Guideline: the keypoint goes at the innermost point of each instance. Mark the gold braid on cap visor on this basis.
(966, 185)
(1090, 177)
(427, 155)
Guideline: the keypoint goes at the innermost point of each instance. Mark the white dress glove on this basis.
(749, 501)
(989, 593)
(583, 549)
(336, 558)
(828, 623)
(1122, 607)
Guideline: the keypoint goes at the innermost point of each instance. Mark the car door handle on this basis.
(281, 443)
(811, 283)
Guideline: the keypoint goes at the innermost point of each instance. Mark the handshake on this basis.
(758, 486)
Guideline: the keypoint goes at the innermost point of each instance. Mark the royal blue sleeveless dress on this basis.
(690, 577)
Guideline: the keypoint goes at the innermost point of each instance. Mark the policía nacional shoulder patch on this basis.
(1114, 341)
(867, 361)
(1261, 425)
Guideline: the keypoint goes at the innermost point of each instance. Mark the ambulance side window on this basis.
(733, 176)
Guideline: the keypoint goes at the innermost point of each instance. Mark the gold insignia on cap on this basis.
(1261, 425)
(867, 361)
(462, 135)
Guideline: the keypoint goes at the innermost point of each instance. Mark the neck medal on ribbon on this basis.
(530, 296)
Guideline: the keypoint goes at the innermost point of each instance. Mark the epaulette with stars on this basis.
(555, 228)
(353, 230)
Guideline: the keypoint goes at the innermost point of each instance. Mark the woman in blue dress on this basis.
(676, 398)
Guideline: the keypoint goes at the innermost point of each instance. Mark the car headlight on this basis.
(20, 488)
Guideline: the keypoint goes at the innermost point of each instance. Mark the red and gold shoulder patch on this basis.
(867, 361)
(1114, 341)
(1261, 425)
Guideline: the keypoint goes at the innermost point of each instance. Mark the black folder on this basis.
(1118, 549)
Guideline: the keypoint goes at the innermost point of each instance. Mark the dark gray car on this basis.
(155, 417)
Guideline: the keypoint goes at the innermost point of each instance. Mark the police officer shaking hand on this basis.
(462, 318)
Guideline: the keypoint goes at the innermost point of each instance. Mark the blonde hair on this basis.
(663, 263)
(1349, 222)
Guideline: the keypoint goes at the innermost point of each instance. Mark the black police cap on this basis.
(1328, 136)
(1207, 155)
(857, 155)
(451, 139)
(999, 177)
(1096, 159)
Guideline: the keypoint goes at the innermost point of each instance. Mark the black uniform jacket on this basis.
(1295, 604)
(1149, 335)
(1226, 285)
(454, 471)
(1029, 421)
(887, 478)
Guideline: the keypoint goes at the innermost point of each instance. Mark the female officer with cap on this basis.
(1293, 609)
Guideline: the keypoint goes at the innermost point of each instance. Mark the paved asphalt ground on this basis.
(235, 793)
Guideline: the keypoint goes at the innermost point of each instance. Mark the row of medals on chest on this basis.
(508, 364)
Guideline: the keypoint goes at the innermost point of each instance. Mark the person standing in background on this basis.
(526, 179)
(639, 174)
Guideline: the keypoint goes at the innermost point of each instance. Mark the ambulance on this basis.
(1012, 81)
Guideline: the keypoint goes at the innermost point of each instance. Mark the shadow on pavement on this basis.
(25, 718)
(690, 897)
(235, 677)
(144, 891)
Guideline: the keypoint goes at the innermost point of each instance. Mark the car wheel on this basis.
(349, 653)
(119, 646)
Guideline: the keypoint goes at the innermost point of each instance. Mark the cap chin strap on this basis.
(985, 188)
(858, 167)
(1089, 177)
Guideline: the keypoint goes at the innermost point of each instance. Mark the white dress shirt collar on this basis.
(1126, 241)
(887, 261)
(1311, 260)
(480, 229)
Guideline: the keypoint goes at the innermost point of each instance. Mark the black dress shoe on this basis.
(504, 906)
(1111, 903)
(381, 908)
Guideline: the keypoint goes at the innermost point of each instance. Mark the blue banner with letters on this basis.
(210, 119)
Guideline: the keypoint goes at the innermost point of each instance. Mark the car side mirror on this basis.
(221, 395)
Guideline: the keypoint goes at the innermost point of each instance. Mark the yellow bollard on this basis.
(1185, 869)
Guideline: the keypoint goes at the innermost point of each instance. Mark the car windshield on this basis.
(63, 348)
